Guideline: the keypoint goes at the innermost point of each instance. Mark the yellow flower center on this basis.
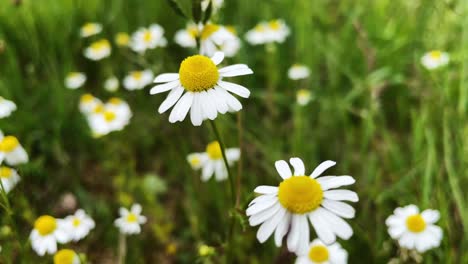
(137, 75)
(109, 116)
(198, 73)
(300, 194)
(45, 225)
(259, 28)
(195, 161)
(303, 93)
(89, 28)
(8, 144)
(5, 172)
(415, 223)
(193, 31)
(436, 54)
(208, 30)
(214, 150)
(115, 101)
(231, 29)
(76, 222)
(318, 253)
(274, 24)
(72, 75)
(64, 256)
(98, 109)
(132, 218)
(147, 36)
(122, 39)
(86, 98)
(100, 45)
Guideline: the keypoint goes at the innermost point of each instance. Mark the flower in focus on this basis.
(9, 178)
(320, 253)
(66, 256)
(435, 59)
(303, 97)
(6, 107)
(212, 162)
(300, 199)
(148, 38)
(111, 84)
(75, 80)
(268, 32)
(88, 103)
(122, 39)
(137, 80)
(46, 233)
(98, 50)
(129, 221)
(415, 230)
(78, 225)
(298, 71)
(90, 29)
(11, 151)
(206, 94)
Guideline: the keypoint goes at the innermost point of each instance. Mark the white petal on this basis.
(430, 216)
(136, 209)
(282, 229)
(264, 215)
(304, 237)
(267, 228)
(342, 209)
(283, 169)
(233, 104)
(171, 99)
(298, 165)
(208, 105)
(321, 227)
(338, 226)
(195, 111)
(182, 107)
(221, 104)
(234, 73)
(322, 167)
(335, 182)
(207, 170)
(217, 57)
(265, 189)
(235, 88)
(260, 206)
(294, 233)
(263, 198)
(166, 77)
(161, 88)
(341, 195)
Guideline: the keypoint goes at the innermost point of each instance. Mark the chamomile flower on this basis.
(122, 39)
(148, 38)
(435, 59)
(111, 84)
(75, 80)
(66, 256)
(212, 162)
(137, 80)
(9, 178)
(298, 71)
(90, 29)
(98, 50)
(268, 32)
(6, 107)
(320, 253)
(88, 103)
(108, 118)
(303, 97)
(415, 230)
(11, 151)
(119, 106)
(187, 37)
(129, 221)
(78, 225)
(300, 199)
(46, 233)
(199, 87)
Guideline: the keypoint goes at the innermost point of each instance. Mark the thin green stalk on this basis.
(122, 248)
(463, 97)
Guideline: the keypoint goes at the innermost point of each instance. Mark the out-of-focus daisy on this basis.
(98, 50)
(303, 97)
(137, 80)
(66, 256)
(212, 162)
(148, 38)
(206, 94)
(88, 103)
(435, 59)
(300, 199)
(11, 151)
(107, 118)
(75, 80)
(414, 230)
(90, 29)
(216, 4)
(46, 233)
(6, 107)
(268, 32)
(122, 39)
(78, 225)
(9, 178)
(129, 221)
(111, 84)
(187, 37)
(298, 71)
(319, 253)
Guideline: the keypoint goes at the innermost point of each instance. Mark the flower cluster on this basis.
(268, 32)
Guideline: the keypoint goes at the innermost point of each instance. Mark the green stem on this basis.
(122, 248)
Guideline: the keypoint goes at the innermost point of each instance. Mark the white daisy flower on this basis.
(187, 37)
(148, 38)
(88, 103)
(75, 80)
(111, 84)
(212, 162)
(6, 107)
(415, 230)
(137, 80)
(78, 225)
(303, 97)
(9, 178)
(46, 233)
(108, 118)
(435, 59)
(268, 32)
(11, 151)
(300, 199)
(129, 221)
(206, 94)
(66, 256)
(298, 71)
(119, 106)
(90, 29)
(320, 253)
(98, 50)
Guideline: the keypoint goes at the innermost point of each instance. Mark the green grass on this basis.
(399, 129)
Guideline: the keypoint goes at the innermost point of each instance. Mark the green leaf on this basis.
(176, 7)
(196, 10)
(208, 12)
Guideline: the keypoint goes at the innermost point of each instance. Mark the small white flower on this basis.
(113, 116)
(6, 107)
(88, 103)
(9, 178)
(78, 225)
(137, 80)
(216, 5)
(148, 38)
(111, 84)
(90, 29)
(75, 80)
(212, 162)
(11, 151)
(268, 32)
(298, 71)
(187, 37)
(46, 233)
(303, 97)
(415, 230)
(320, 253)
(129, 221)
(435, 59)
(66, 256)
(98, 50)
